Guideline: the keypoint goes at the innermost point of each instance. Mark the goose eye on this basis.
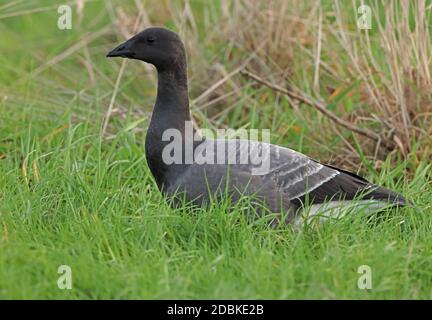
(150, 39)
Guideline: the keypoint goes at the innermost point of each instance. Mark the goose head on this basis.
(158, 46)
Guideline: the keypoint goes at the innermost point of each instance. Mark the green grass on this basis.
(70, 197)
(97, 209)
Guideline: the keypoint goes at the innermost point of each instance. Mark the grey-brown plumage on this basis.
(291, 180)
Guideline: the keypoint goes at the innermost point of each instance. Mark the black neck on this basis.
(172, 94)
(171, 111)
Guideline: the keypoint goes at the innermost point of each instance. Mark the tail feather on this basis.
(349, 186)
(384, 194)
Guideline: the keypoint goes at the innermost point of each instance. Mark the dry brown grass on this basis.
(315, 48)
(392, 65)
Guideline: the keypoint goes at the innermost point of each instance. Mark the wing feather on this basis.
(290, 180)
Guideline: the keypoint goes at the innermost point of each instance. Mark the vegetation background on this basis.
(75, 189)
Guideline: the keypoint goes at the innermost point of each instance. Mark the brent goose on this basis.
(291, 179)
